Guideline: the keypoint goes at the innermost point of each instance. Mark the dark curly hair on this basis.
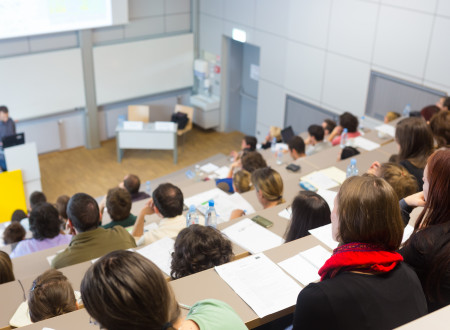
(199, 248)
(44, 221)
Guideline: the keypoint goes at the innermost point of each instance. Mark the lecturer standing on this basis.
(7, 128)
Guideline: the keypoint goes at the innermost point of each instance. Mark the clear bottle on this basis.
(273, 145)
(211, 215)
(191, 216)
(148, 188)
(280, 156)
(344, 138)
(197, 173)
(407, 110)
(352, 170)
(361, 123)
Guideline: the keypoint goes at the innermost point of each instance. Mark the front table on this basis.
(147, 138)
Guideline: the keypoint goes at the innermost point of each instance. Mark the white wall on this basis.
(322, 51)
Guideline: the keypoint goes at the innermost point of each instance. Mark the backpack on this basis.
(180, 118)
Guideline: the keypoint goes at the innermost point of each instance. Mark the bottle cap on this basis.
(353, 161)
(148, 182)
(345, 130)
(192, 208)
(211, 202)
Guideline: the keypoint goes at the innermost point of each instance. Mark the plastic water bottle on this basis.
(352, 170)
(148, 188)
(211, 216)
(344, 138)
(361, 123)
(191, 216)
(198, 177)
(280, 156)
(273, 146)
(407, 110)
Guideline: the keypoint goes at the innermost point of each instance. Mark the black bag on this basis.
(181, 119)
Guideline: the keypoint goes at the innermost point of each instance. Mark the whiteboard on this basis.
(42, 84)
(134, 69)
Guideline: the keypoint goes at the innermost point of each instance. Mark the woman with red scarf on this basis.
(365, 284)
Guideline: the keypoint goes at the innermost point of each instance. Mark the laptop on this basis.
(13, 140)
(287, 134)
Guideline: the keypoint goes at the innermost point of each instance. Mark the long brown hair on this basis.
(270, 183)
(415, 140)
(6, 268)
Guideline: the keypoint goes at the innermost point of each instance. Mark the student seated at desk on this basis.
(51, 295)
(199, 248)
(124, 290)
(316, 140)
(428, 248)
(248, 144)
(90, 241)
(365, 284)
(440, 126)
(46, 228)
(328, 126)
(167, 203)
(348, 121)
(309, 211)
(274, 132)
(118, 205)
(13, 234)
(61, 207)
(296, 147)
(132, 183)
(6, 268)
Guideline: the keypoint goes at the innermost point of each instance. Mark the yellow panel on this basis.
(12, 194)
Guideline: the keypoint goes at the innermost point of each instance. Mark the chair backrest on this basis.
(187, 110)
(139, 113)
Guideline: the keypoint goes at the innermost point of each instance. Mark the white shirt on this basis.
(168, 227)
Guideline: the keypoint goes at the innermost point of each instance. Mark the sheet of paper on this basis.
(208, 168)
(329, 196)
(286, 213)
(316, 256)
(202, 199)
(160, 252)
(283, 146)
(222, 172)
(260, 283)
(334, 173)
(387, 129)
(300, 269)
(133, 125)
(320, 180)
(407, 232)
(165, 126)
(324, 235)
(252, 237)
(365, 143)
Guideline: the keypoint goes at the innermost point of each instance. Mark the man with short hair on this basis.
(118, 204)
(296, 147)
(36, 198)
(328, 126)
(248, 144)
(90, 241)
(132, 183)
(348, 121)
(167, 202)
(316, 140)
(7, 128)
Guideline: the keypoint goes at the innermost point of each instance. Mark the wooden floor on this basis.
(95, 171)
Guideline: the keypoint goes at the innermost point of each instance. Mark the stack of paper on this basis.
(160, 252)
(208, 168)
(304, 266)
(252, 237)
(260, 283)
(324, 235)
(387, 129)
(325, 179)
(365, 143)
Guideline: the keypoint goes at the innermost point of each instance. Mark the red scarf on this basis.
(367, 258)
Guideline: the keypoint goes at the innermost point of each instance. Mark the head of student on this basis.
(44, 221)
(390, 116)
(51, 295)
(37, 197)
(399, 178)
(13, 233)
(316, 133)
(366, 210)
(269, 186)
(309, 211)
(252, 160)
(6, 268)
(132, 183)
(168, 200)
(136, 292)
(249, 143)
(415, 140)
(275, 132)
(4, 113)
(428, 112)
(440, 127)
(18, 215)
(296, 147)
(328, 125)
(242, 181)
(199, 248)
(446, 104)
(118, 203)
(348, 121)
(61, 206)
(83, 212)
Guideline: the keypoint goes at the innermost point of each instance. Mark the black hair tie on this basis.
(166, 326)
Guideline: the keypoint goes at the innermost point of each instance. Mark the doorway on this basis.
(240, 83)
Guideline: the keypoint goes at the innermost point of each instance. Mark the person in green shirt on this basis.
(138, 297)
(118, 205)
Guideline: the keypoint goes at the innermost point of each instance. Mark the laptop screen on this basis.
(13, 140)
(287, 134)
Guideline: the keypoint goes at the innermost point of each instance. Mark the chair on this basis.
(190, 113)
(139, 113)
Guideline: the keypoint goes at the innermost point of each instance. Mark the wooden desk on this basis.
(147, 138)
(364, 160)
(77, 320)
(391, 148)
(439, 319)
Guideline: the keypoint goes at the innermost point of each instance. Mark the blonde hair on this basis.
(275, 132)
(399, 178)
(242, 181)
(270, 183)
(390, 116)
